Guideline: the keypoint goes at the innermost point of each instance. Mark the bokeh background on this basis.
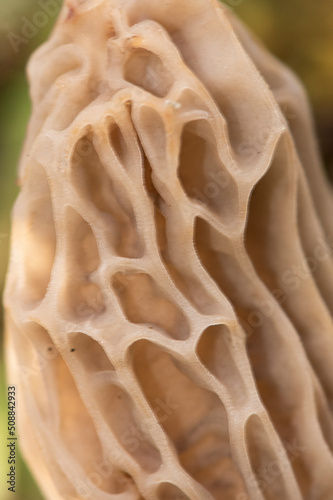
(297, 31)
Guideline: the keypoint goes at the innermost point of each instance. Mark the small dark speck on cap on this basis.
(70, 13)
(73, 350)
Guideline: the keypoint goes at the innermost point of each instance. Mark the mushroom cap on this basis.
(169, 296)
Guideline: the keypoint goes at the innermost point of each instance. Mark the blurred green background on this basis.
(298, 31)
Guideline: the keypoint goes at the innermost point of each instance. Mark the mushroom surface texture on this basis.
(169, 297)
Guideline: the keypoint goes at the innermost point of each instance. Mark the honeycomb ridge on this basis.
(169, 297)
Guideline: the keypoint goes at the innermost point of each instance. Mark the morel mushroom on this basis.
(169, 298)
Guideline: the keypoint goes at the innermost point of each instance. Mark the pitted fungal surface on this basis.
(169, 299)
